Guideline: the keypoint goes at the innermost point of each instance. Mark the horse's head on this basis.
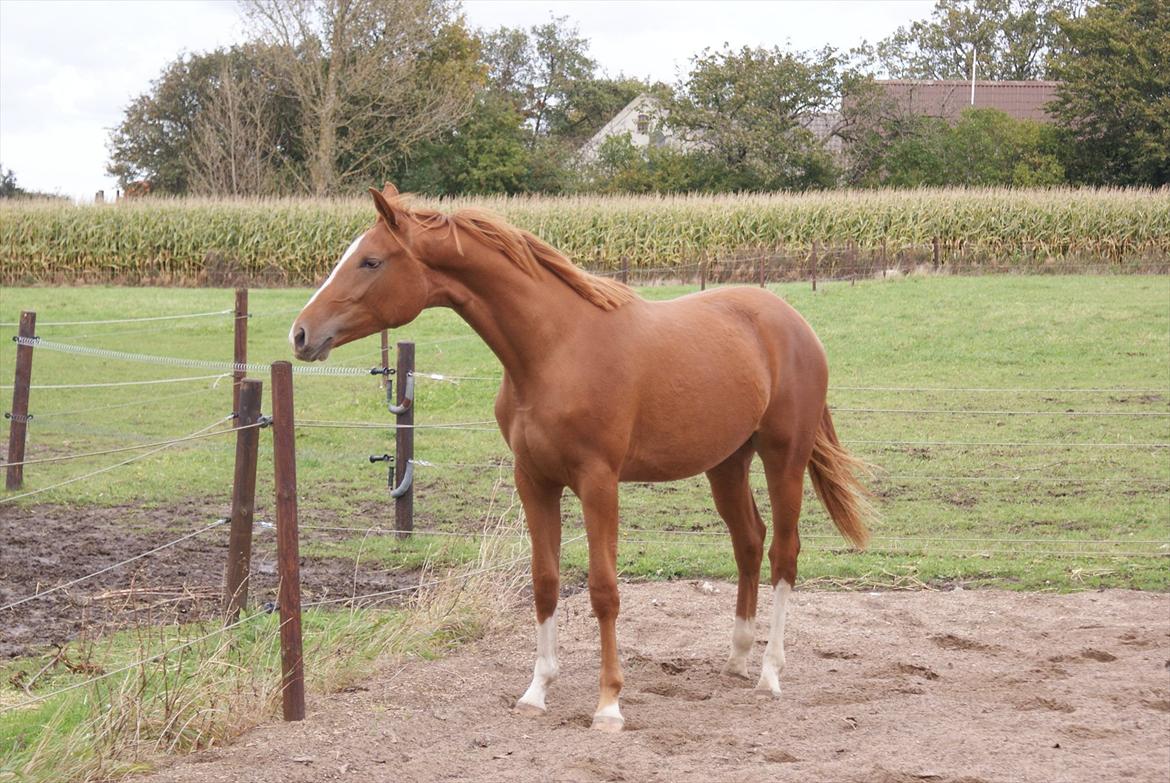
(379, 283)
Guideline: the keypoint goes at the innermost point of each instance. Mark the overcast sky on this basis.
(68, 68)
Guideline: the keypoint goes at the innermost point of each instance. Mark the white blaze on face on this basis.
(546, 669)
(774, 652)
(345, 257)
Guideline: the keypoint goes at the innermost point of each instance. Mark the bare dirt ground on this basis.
(880, 687)
(45, 546)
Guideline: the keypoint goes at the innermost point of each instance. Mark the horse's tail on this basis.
(833, 471)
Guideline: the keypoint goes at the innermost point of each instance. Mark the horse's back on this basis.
(705, 370)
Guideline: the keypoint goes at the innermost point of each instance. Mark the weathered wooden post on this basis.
(703, 275)
(18, 417)
(813, 261)
(625, 271)
(404, 445)
(235, 588)
(937, 252)
(385, 356)
(762, 279)
(284, 458)
(241, 346)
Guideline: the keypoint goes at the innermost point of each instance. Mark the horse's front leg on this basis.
(599, 500)
(542, 510)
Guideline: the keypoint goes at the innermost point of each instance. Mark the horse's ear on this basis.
(385, 210)
(389, 191)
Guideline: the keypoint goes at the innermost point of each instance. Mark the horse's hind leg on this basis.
(785, 462)
(734, 501)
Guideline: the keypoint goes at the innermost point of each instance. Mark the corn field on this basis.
(295, 242)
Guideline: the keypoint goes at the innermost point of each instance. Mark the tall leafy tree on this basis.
(751, 109)
(155, 141)
(1114, 98)
(487, 153)
(1010, 39)
(986, 147)
(539, 69)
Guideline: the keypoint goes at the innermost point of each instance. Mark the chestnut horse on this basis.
(601, 386)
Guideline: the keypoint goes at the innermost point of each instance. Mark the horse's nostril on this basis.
(299, 338)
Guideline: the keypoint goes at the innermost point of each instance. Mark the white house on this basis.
(645, 119)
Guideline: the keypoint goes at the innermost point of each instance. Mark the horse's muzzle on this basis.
(305, 349)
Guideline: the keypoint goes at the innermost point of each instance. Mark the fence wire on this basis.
(173, 361)
(178, 317)
(108, 468)
(42, 593)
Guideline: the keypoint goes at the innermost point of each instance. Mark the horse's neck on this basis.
(521, 318)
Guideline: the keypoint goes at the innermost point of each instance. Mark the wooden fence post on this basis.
(762, 278)
(404, 444)
(239, 562)
(625, 272)
(385, 356)
(241, 345)
(18, 416)
(814, 265)
(937, 253)
(284, 458)
(702, 275)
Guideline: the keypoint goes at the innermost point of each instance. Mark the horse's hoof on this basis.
(735, 670)
(764, 691)
(528, 710)
(608, 723)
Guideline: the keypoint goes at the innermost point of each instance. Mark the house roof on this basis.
(947, 99)
(642, 103)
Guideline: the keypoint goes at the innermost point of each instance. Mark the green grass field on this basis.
(998, 484)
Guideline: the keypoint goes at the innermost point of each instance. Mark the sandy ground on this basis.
(880, 687)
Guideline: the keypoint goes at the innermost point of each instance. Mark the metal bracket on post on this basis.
(407, 396)
(407, 480)
(407, 476)
(389, 459)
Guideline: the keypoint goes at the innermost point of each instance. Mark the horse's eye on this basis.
(369, 263)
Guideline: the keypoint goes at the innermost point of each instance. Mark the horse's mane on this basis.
(526, 251)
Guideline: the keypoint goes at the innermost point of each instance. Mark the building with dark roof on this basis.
(947, 99)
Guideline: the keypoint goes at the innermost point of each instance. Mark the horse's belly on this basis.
(686, 446)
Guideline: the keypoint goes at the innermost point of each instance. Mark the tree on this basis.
(623, 167)
(156, 139)
(235, 146)
(986, 147)
(487, 153)
(371, 79)
(538, 69)
(1011, 39)
(591, 102)
(750, 108)
(1114, 98)
(8, 186)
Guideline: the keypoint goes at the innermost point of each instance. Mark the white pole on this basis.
(972, 75)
